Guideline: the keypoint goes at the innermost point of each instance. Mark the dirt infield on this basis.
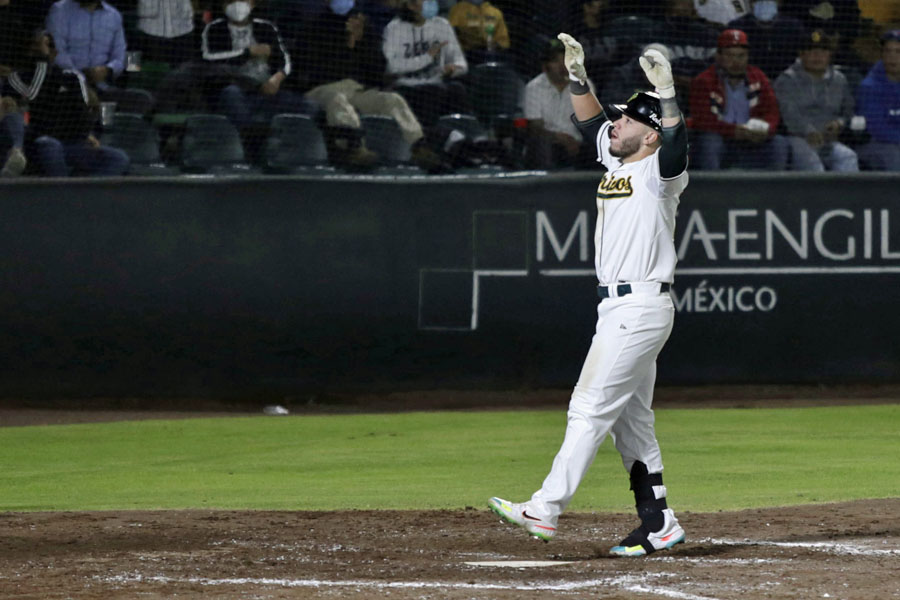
(849, 550)
(845, 550)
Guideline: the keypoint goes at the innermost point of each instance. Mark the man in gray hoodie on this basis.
(816, 104)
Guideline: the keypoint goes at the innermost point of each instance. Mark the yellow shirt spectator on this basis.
(880, 11)
(475, 21)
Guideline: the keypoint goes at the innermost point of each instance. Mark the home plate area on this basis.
(848, 550)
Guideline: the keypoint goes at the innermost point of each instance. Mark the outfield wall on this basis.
(297, 285)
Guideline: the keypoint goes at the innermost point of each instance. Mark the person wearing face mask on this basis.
(63, 112)
(347, 70)
(774, 37)
(424, 58)
(165, 30)
(481, 29)
(89, 37)
(721, 12)
(253, 63)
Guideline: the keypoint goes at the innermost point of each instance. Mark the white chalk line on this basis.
(830, 547)
(627, 582)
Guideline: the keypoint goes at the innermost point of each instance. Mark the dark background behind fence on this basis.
(283, 286)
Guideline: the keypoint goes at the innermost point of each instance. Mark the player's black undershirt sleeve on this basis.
(673, 154)
(590, 128)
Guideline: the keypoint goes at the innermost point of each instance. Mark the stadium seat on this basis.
(383, 136)
(140, 140)
(134, 100)
(468, 124)
(211, 144)
(295, 145)
(495, 90)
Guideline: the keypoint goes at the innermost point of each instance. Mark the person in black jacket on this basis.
(62, 108)
(346, 69)
(252, 64)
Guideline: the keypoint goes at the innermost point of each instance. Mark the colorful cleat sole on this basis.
(505, 511)
(640, 551)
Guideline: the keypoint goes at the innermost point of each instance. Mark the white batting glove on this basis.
(659, 73)
(574, 58)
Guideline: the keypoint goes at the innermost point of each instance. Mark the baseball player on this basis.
(643, 144)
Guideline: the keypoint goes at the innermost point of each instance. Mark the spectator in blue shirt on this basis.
(878, 100)
(90, 38)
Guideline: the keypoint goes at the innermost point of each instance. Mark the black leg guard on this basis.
(649, 507)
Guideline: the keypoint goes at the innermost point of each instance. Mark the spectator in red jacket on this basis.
(735, 113)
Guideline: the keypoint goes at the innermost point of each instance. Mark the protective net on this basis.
(161, 87)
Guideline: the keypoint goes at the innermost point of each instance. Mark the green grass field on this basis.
(720, 459)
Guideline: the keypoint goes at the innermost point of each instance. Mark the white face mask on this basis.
(238, 11)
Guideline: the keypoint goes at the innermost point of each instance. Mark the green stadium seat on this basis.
(211, 144)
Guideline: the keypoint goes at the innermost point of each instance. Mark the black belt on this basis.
(625, 289)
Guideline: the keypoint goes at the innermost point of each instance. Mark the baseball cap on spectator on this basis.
(892, 35)
(732, 37)
(552, 49)
(818, 39)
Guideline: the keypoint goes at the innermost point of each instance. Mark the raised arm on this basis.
(584, 102)
(673, 152)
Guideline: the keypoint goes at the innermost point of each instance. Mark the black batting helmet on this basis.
(642, 107)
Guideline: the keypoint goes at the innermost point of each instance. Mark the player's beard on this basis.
(627, 147)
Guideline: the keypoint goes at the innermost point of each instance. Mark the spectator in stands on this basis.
(721, 12)
(735, 113)
(346, 70)
(629, 78)
(481, 29)
(165, 31)
(381, 12)
(62, 107)
(425, 60)
(252, 63)
(553, 140)
(90, 38)
(839, 19)
(602, 51)
(692, 43)
(12, 123)
(816, 102)
(12, 137)
(878, 100)
(774, 37)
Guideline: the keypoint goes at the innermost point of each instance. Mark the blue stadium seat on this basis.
(140, 140)
(211, 144)
(295, 145)
(384, 136)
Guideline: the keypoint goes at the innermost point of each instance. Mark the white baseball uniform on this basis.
(634, 245)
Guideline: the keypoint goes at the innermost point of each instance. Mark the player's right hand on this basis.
(574, 58)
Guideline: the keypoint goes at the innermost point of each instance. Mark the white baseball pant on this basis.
(613, 395)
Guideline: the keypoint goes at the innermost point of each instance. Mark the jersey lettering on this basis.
(614, 187)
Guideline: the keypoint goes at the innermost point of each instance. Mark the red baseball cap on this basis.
(732, 37)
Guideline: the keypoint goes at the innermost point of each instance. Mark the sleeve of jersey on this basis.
(673, 154)
(597, 128)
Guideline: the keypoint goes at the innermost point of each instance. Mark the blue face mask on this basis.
(430, 9)
(342, 7)
(765, 10)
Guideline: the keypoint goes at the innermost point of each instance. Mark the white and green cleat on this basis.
(641, 542)
(518, 514)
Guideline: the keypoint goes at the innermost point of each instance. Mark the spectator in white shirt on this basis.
(553, 140)
(425, 60)
(165, 31)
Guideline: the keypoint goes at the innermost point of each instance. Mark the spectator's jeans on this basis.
(712, 152)
(241, 106)
(834, 156)
(342, 99)
(880, 156)
(12, 133)
(61, 159)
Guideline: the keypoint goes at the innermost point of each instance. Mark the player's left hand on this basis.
(659, 72)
